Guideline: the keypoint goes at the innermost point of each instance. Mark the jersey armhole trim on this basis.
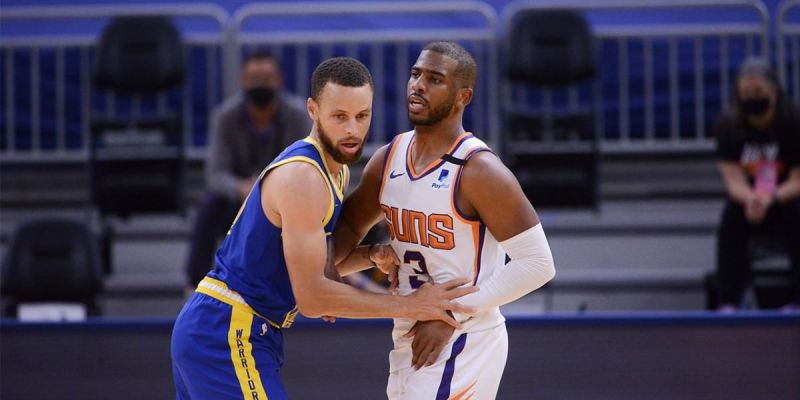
(454, 192)
(387, 160)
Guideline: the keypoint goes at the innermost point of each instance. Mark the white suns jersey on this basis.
(428, 231)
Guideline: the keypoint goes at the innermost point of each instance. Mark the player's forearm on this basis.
(357, 260)
(344, 241)
(531, 267)
(327, 297)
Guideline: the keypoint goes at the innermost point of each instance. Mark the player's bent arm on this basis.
(356, 260)
(492, 192)
(299, 195)
(360, 212)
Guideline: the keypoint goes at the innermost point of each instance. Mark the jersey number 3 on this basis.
(417, 262)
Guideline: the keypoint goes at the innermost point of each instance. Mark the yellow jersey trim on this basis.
(219, 290)
(344, 173)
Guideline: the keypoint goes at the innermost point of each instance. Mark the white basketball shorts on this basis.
(469, 367)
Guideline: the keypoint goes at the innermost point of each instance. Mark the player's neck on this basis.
(432, 142)
(334, 167)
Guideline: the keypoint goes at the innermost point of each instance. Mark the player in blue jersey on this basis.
(276, 261)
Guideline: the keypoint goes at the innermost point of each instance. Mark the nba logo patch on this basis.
(441, 181)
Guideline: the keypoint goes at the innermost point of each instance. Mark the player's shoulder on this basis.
(485, 168)
(298, 171)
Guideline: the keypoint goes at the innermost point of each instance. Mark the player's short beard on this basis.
(436, 114)
(330, 148)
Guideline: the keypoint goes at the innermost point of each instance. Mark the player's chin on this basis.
(417, 118)
(349, 155)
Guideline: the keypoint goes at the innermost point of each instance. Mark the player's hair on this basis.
(344, 71)
(467, 70)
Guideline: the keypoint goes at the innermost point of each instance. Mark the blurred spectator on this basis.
(248, 130)
(758, 147)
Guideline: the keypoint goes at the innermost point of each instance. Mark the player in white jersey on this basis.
(453, 210)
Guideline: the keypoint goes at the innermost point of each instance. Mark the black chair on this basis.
(554, 154)
(137, 162)
(771, 269)
(52, 260)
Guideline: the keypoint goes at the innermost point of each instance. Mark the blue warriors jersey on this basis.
(251, 260)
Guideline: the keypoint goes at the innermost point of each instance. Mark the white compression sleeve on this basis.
(531, 267)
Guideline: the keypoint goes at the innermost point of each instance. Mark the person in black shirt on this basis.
(758, 147)
(248, 130)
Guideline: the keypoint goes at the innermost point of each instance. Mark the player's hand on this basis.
(328, 318)
(387, 261)
(430, 338)
(432, 301)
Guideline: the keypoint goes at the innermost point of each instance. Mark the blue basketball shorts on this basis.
(222, 350)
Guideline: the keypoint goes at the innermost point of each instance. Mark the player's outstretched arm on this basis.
(492, 192)
(295, 197)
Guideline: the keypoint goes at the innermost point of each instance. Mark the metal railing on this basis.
(663, 101)
(660, 45)
(788, 44)
(374, 46)
(70, 130)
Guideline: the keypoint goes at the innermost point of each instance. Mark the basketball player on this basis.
(452, 209)
(227, 342)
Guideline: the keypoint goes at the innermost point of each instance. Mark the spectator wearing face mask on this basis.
(248, 130)
(758, 149)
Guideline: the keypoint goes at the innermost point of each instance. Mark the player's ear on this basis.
(312, 108)
(465, 96)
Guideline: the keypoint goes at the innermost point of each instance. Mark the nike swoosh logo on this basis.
(392, 175)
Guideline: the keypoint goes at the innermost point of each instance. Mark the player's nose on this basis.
(417, 85)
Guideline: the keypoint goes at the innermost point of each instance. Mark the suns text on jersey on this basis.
(434, 230)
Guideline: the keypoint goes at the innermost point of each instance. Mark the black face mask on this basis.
(755, 106)
(260, 96)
